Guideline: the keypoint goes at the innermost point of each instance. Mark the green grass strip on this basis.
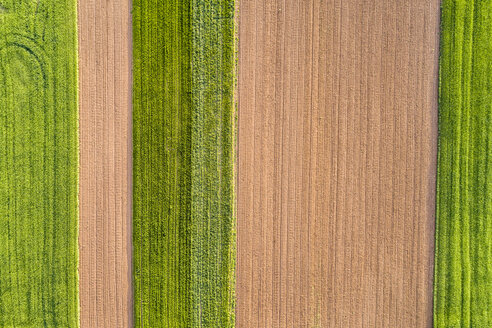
(463, 267)
(183, 163)
(38, 164)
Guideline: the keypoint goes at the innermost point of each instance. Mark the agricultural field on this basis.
(463, 270)
(105, 238)
(38, 164)
(183, 162)
(336, 163)
(342, 178)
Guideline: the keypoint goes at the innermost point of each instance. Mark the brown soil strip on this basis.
(336, 163)
(105, 158)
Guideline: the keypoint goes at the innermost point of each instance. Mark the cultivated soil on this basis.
(105, 163)
(336, 163)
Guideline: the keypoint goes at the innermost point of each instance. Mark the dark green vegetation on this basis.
(38, 164)
(183, 137)
(463, 272)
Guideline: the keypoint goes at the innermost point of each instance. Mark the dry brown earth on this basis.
(336, 162)
(105, 163)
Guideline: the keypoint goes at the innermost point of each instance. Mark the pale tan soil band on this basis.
(336, 163)
(105, 163)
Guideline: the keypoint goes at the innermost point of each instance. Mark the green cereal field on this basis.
(183, 137)
(38, 164)
(463, 269)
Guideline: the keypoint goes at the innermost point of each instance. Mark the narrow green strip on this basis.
(212, 163)
(463, 266)
(38, 164)
(183, 136)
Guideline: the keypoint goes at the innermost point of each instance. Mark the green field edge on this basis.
(40, 170)
(463, 242)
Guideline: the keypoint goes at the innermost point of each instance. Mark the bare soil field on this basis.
(105, 163)
(336, 163)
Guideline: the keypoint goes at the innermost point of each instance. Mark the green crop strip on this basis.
(38, 164)
(183, 163)
(463, 269)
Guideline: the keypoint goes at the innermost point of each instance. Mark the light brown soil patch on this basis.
(336, 163)
(105, 159)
